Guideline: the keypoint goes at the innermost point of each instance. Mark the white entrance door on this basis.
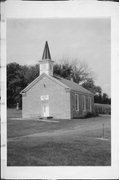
(45, 109)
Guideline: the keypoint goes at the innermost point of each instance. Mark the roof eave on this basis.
(82, 92)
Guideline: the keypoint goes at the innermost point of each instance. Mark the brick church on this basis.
(53, 96)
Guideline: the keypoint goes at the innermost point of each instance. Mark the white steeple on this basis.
(46, 64)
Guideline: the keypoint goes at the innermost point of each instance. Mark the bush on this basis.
(102, 109)
(91, 114)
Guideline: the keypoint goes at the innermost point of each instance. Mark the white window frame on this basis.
(44, 97)
(84, 103)
(77, 102)
(90, 104)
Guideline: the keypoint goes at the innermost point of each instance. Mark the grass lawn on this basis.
(66, 143)
(11, 113)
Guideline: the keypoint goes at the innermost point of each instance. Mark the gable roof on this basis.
(73, 86)
(61, 81)
(38, 79)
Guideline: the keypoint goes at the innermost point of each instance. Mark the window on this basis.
(50, 66)
(44, 97)
(90, 104)
(84, 103)
(44, 67)
(76, 102)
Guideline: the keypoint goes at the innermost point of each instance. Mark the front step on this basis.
(45, 118)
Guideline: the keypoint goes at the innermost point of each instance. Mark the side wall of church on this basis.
(84, 107)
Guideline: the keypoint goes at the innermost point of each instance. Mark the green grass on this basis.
(67, 143)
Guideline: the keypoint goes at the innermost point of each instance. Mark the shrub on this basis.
(102, 109)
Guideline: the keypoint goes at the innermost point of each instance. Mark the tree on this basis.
(63, 70)
(76, 69)
(89, 84)
(18, 77)
(82, 75)
(105, 98)
(15, 82)
(79, 72)
(30, 72)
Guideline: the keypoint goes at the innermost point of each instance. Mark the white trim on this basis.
(39, 78)
(84, 103)
(82, 93)
(45, 109)
(90, 104)
(76, 102)
(44, 97)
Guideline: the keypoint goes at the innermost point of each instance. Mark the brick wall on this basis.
(59, 100)
(80, 112)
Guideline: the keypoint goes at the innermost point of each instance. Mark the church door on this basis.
(45, 109)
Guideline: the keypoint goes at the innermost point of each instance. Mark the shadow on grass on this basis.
(82, 152)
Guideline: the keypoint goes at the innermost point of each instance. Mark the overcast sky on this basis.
(85, 39)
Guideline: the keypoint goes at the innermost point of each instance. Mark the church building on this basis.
(50, 96)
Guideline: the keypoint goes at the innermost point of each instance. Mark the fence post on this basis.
(17, 108)
(103, 130)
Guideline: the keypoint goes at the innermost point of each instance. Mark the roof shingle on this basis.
(72, 85)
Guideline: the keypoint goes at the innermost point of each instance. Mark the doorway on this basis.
(45, 109)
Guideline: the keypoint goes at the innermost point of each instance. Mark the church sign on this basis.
(44, 97)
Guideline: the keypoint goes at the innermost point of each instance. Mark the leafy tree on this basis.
(14, 83)
(18, 77)
(63, 70)
(77, 70)
(105, 98)
(30, 72)
(82, 75)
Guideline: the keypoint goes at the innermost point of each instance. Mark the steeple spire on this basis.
(46, 63)
(46, 52)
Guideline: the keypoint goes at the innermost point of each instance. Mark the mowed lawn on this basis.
(76, 142)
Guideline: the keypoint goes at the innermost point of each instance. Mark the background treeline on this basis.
(19, 76)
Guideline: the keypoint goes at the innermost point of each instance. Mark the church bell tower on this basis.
(46, 64)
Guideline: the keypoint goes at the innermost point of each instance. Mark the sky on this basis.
(86, 39)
